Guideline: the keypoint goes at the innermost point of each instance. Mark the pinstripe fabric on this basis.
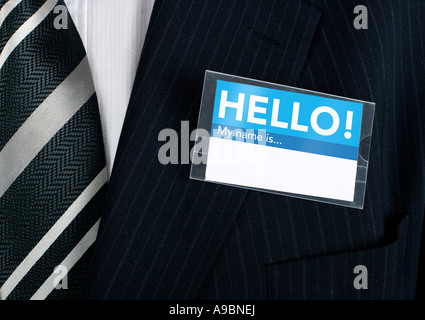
(165, 236)
(52, 165)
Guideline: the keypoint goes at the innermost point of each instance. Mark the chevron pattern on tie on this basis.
(52, 164)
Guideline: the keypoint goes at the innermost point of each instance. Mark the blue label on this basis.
(290, 120)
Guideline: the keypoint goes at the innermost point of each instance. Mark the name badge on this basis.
(283, 140)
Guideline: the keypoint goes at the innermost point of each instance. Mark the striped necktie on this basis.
(52, 164)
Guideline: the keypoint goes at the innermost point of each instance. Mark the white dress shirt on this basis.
(113, 33)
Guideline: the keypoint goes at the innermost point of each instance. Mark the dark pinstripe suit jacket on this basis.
(164, 236)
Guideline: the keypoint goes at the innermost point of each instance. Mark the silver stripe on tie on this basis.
(53, 234)
(8, 8)
(52, 114)
(69, 262)
(26, 29)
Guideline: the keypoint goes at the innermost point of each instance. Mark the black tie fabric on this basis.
(52, 165)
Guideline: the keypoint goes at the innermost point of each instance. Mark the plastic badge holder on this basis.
(261, 110)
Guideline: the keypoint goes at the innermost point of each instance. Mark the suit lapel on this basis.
(161, 231)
